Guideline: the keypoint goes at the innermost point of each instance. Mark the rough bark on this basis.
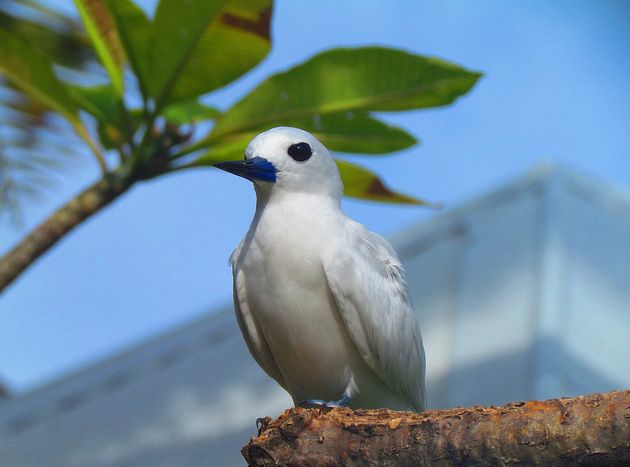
(589, 430)
(60, 223)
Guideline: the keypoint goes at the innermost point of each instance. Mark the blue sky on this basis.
(556, 89)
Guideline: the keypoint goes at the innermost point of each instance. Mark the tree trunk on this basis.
(60, 223)
(590, 430)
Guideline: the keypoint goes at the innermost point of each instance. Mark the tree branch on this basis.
(592, 430)
(60, 223)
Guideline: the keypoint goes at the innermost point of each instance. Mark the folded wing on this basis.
(367, 281)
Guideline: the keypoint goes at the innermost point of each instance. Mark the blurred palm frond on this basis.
(31, 138)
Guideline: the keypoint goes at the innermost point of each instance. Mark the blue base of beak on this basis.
(256, 168)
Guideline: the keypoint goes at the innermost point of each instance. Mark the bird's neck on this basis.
(302, 223)
(296, 206)
(303, 200)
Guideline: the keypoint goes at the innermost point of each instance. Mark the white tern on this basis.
(320, 300)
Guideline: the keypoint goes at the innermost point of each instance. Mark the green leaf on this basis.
(191, 111)
(57, 36)
(236, 40)
(99, 101)
(354, 132)
(226, 151)
(134, 31)
(360, 183)
(177, 28)
(116, 125)
(101, 29)
(338, 80)
(32, 72)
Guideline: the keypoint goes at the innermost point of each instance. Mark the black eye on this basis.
(300, 151)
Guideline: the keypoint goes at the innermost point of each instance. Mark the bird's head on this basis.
(288, 160)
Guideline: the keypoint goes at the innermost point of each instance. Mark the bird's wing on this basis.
(252, 333)
(368, 284)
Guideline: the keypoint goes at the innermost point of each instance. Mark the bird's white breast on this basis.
(288, 295)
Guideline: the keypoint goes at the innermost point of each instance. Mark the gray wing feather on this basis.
(367, 281)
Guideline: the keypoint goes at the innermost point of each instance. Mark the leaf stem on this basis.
(190, 149)
(96, 150)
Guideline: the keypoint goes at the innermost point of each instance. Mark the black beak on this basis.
(252, 169)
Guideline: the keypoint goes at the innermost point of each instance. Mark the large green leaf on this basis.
(101, 29)
(176, 31)
(32, 72)
(370, 78)
(202, 45)
(134, 30)
(355, 132)
(236, 40)
(359, 182)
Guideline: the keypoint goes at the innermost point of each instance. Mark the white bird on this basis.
(320, 300)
